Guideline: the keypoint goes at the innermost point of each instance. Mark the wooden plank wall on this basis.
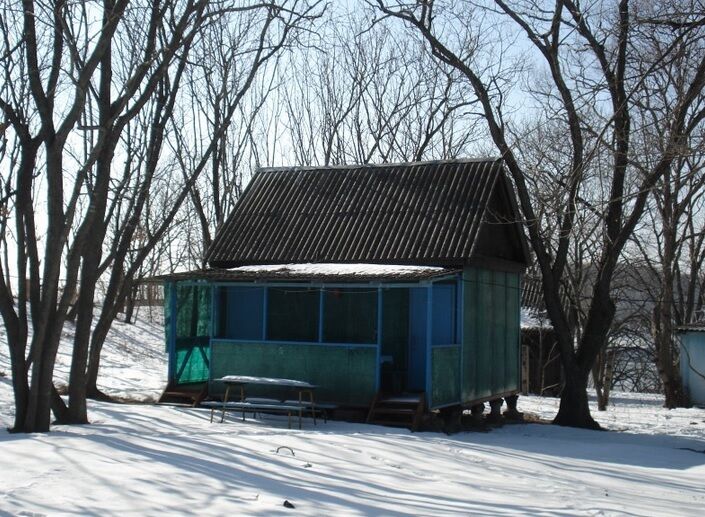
(491, 344)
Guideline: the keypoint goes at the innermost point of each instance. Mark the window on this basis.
(292, 314)
(243, 314)
(444, 306)
(350, 315)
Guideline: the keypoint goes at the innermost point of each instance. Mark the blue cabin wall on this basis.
(692, 365)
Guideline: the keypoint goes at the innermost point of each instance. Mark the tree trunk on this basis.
(20, 387)
(574, 410)
(597, 379)
(58, 407)
(130, 305)
(97, 340)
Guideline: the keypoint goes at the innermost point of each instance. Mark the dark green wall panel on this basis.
(513, 332)
(490, 333)
(499, 332)
(445, 375)
(344, 375)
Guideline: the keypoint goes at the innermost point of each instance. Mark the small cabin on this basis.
(692, 361)
(364, 280)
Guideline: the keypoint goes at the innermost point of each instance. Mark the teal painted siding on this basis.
(513, 343)
(490, 333)
(344, 374)
(445, 376)
(188, 328)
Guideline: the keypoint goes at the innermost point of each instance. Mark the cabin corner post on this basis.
(520, 372)
(172, 331)
(215, 312)
(380, 316)
(459, 334)
(321, 301)
(429, 340)
(265, 308)
(214, 326)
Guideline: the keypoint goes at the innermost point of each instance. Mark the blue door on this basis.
(416, 374)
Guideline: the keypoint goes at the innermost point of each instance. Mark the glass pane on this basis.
(193, 310)
(350, 316)
(443, 328)
(292, 314)
(243, 313)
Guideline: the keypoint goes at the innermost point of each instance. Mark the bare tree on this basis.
(598, 60)
(95, 68)
(372, 94)
(671, 252)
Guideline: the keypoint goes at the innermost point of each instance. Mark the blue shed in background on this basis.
(373, 282)
(692, 362)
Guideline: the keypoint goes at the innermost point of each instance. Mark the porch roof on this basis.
(329, 272)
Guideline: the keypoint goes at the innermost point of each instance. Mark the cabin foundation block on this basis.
(495, 414)
(476, 411)
(511, 412)
(451, 419)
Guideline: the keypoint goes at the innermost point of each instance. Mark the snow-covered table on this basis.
(303, 389)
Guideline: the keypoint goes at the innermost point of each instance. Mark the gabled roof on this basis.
(433, 213)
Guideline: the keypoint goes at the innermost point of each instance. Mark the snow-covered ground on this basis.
(142, 459)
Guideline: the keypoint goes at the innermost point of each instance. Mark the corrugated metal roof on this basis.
(416, 213)
(315, 273)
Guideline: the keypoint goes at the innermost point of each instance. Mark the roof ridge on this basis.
(291, 168)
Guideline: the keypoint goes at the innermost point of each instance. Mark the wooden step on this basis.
(408, 410)
(189, 394)
(391, 423)
(394, 411)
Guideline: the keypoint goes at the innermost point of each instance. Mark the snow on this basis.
(532, 319)
(341, 269)
(248, 379)
(143, 459)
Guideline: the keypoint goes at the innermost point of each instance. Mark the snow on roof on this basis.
(341, 269)
(324, 272)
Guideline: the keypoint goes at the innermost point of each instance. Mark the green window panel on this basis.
(192, 319)
(350, 315)
(193, 310)
(292, 314)
(395, 338)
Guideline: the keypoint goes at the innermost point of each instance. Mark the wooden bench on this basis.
(261, 405)
(304, 403)
(308, 407)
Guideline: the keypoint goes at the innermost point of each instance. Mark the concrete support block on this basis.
(495, 411)
(511, 412)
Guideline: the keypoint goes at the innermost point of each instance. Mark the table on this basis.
(302, 388)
